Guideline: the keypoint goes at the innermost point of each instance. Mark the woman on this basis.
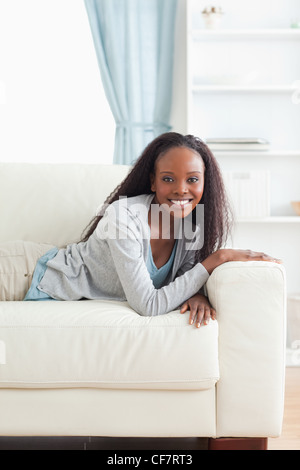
(156, 241)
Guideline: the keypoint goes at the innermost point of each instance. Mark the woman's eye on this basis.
(169, 179)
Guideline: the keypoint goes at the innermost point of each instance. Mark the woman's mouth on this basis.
(180, 202)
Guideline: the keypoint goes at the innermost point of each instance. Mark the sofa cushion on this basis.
(53, 203)
(103, 344)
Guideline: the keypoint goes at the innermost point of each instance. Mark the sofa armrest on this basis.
(250, 301)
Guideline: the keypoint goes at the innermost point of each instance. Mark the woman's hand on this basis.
(200, 310)
(224, 255)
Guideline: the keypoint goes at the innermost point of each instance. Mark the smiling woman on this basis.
(119, 258)
(55, 108)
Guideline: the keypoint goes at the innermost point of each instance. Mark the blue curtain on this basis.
(134, 42)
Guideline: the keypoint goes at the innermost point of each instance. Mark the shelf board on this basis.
(243, 89)
(258, 153)
(271, 220)
(288, 33)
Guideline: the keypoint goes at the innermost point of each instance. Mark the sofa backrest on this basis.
(53, 203)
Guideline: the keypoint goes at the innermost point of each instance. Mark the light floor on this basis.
(290, 437)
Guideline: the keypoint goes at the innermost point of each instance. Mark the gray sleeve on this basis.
(127, 253)
(188, 264)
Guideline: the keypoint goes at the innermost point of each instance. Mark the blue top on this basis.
(158, 275)
(34, 293)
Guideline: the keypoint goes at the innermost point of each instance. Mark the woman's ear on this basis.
(152, 182)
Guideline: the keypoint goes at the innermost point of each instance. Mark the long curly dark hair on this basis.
(217, 212)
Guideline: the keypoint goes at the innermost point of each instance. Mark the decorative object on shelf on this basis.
(296, 206)
(249, 192)
(295, 24)
(238, 143)
(212, 17)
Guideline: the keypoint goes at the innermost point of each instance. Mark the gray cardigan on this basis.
(111, 265)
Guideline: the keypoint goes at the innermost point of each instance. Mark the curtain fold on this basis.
(134, 43)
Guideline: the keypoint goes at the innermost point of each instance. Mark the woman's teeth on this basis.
(181, 202)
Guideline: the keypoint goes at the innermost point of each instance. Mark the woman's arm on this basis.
(199, 306)
(224, 255)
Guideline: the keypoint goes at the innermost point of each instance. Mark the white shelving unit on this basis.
(243, 80)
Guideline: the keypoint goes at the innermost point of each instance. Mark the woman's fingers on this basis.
(265, 257)
(203, 315)
(193, 315)
(257, 256)
(184, 307)
(199, 313)
(213, 314)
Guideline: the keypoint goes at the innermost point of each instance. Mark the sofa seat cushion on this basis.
(103, 344)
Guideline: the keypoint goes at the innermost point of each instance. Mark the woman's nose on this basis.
(181, 188)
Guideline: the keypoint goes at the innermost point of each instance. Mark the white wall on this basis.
(52, 104)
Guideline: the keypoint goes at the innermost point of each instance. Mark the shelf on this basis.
(256, 153)
(289, 33)
(243, 89)
(271, 220)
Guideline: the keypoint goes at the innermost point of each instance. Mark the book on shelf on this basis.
(240, 143)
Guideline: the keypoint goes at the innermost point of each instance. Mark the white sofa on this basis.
(95, 368)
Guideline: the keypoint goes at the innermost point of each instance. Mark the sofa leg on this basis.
(231, 443)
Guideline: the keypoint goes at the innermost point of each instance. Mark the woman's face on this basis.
(178, 181)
